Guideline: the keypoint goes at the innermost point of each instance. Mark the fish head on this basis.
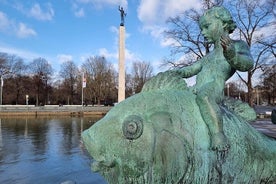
(118, 140)
(139, 140)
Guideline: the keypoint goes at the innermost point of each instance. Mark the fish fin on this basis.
(165, 81)
(168, 146)
(240, 108)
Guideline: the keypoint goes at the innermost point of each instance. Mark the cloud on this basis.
(115, 30)
(79, 6)
(35, 11)
(104, 52)
(79, 13)
(27, 55)
(9, 26)
(39, 14)
(64, 57)
(4, 21)
(154, 13)
(157, 11)
(114, 57)
(261, 33)
(102, 3)
(266, 32)
(23, 31)
(168, 42)
(147, 11)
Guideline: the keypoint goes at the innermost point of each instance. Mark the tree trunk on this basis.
(250, 89)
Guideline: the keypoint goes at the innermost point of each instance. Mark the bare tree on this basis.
(187, 42)
(254, 19)
(186, 39)
(4, 69)
(129, 85)
(100, 77)
(235, 89)
(269, 84)
(142, 72)
(12, 66)
(69, 73)
(41, 71)
(207, 4)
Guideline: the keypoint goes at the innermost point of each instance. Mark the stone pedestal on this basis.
(121, 90)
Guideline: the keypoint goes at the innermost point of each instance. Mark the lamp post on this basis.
(46, 97)
(27, 99)
(228, 92)
(1, 90)
(258, 97)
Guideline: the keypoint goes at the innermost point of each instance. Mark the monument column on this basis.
(122, 83)
(121, 91)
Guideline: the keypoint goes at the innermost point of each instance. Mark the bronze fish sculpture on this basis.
(159, 136)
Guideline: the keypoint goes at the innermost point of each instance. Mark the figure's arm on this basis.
(190, 70)
(237, 54)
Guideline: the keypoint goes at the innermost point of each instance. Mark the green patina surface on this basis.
(171, 133)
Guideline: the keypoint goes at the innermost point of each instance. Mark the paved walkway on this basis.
(265, 126)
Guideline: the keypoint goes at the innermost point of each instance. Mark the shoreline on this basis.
(11, 111)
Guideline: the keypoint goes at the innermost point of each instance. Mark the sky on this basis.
(62, 30)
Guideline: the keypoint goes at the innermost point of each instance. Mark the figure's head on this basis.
(215, 21)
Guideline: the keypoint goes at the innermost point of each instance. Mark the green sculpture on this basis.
(171, 133)
(215, 68)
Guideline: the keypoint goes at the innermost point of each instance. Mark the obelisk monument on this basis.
(122, 83)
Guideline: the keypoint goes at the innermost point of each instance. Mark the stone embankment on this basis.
(264, 111)
(52, 110)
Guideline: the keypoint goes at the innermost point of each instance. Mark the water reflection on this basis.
(1, 142)
(44, 151)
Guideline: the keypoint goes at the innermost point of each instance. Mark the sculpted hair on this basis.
(222, 14)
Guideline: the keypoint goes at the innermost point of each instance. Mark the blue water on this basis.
(45, 151)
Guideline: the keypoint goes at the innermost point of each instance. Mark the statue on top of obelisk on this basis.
(123, 14)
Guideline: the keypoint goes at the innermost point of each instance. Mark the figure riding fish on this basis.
(172, 133)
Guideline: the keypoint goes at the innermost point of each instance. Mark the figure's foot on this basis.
(219, 142)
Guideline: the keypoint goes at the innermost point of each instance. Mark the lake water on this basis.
(45, 150)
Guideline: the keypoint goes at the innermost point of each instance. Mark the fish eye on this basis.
(133, 127)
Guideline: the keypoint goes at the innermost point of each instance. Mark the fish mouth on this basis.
(99, 162)
(102, 165)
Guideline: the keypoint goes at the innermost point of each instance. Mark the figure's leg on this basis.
(207, 100)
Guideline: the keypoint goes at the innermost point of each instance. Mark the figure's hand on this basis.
(172, 72)
(225, 42)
